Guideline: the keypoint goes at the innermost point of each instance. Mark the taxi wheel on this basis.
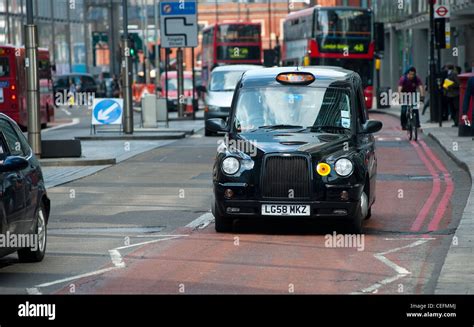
(362, 212)
(222, 224)
(369, 214)
(37, 255)
(356, 222)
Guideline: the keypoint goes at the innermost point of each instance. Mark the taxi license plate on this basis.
(286, 210)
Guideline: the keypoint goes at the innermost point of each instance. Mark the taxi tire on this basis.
(356, 222)
(369, 214)
(222, 224)
(28, 255)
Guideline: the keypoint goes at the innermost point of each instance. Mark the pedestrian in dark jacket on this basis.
(452, 92)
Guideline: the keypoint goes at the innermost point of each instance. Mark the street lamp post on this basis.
(31, 64)
(270, 23)
(157, 48)
(145, 43)
(127, 74)
(433, 87)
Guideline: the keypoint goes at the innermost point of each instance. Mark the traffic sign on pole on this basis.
(107, 112)
(442, 11)
(179, 28)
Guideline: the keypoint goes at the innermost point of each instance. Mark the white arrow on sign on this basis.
(104, 114)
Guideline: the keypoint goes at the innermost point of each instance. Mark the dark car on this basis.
(24, 203)
(84, 83)
(299, 143)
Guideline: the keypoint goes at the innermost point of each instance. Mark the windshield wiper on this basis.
(328, 128)
(282, 126)
(223, 90)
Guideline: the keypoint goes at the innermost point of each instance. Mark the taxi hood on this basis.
(287, 141)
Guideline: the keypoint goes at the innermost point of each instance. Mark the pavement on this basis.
(457, 273)
(109, 146)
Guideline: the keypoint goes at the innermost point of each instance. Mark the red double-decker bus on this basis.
(13, 87)
(332, 36)
(230, 43)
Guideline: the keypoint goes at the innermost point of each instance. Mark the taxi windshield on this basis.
(319, 109)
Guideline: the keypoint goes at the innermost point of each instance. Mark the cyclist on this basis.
(409, 84)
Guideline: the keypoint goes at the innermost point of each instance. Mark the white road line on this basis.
(33, 291)
(148, 242)
(160, 235)
(374, 288)
(74, 122)
(116, 258)
(202, 221)
(401, 271)
(65, 280)
(67, 112)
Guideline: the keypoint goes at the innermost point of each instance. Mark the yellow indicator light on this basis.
(295, 78)
(323, 169)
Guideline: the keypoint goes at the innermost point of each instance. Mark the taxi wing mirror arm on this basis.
(217, 125)
(371, 126)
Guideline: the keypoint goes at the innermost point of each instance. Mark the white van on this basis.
(220, 91)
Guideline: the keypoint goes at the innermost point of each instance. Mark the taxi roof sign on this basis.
(297, 78)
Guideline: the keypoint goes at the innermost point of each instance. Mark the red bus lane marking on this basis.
(434, 191)
(443, 204)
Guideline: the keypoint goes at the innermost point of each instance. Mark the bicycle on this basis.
(412, 118)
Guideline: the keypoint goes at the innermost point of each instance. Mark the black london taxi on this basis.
(298, 144)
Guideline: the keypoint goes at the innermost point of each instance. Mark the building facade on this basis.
(60, 29)
(407, 37)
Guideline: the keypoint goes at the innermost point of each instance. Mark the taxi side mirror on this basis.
(14, 164)
(217, 125)
(372, 126)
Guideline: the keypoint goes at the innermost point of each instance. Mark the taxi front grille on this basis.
(286, 177)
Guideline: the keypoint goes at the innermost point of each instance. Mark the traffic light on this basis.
(440, 33)
(133, 49)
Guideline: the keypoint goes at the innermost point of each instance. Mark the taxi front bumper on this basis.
(332, 206)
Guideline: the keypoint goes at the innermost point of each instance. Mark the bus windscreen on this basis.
(344, 31)
(240, 33)
(344, 23)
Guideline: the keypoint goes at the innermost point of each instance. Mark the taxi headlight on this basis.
(230, 166)
(344, 167)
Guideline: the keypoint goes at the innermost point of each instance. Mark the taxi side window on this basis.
(360, 103)
(12, 139)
